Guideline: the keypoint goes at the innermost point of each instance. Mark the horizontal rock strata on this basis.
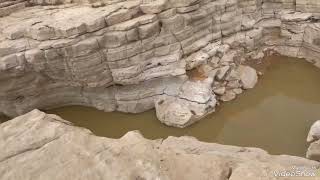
(125, 55)
(39, 146)
(9, 6)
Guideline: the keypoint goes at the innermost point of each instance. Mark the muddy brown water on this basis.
(276, 115)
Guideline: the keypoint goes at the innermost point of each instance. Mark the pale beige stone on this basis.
(82, 52)
(52, 148)
(248, 76)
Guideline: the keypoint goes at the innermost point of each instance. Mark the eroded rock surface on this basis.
(39, 146)
(314, 140)
(248, 76)
(118, 55)
(193, 101)
(314, 133)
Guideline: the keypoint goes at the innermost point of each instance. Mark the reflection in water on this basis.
(276, 115)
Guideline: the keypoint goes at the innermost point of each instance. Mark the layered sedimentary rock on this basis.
(41, 146)
(125, 55)
(9, 6)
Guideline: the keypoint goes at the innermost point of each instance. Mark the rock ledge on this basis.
(39, 146)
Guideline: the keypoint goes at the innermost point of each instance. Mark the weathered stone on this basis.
(121, 16)
(228, 57)
(188, 9)
(153, 6)
(296, 16)
(9, 62)
(70, 152)
(223, 72)
(125, 43)
(313, 151)
(220, 90)
(149, 30)
(182, 3)
(85, 47)
(113, 39)
(172, 112)
(194, 101)
(36, 59)
(198, 91)
(248, 76)
(173, 24)
(233, 84)
(228, 96)
(196, 59)
(237, 90)
(314, 133)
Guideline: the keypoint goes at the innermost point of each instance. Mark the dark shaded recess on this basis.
(4, 119)
(316, 41)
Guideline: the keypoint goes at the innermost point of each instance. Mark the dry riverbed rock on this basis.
(39, 146)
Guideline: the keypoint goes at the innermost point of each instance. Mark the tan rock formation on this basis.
(313, 138)
(39, 146)
(194, 101)
(248, 76)
(314, 133)
(118, 55)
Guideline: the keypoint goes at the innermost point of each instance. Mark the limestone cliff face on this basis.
(127, 55)
(39, 146)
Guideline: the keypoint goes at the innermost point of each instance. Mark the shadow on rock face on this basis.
(4, 119)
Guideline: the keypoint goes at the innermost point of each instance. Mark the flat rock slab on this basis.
(41, 23)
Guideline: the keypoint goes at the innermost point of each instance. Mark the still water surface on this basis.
(276, 115)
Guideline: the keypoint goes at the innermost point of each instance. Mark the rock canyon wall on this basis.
(180, 56)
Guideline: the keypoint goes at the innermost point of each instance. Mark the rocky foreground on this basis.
(38, 146)
(181, 57)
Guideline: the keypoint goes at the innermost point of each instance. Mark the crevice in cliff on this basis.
(303, 37)
(177, 40)
(149, 68)
(229, 173)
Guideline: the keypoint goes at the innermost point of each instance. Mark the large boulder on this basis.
(314, 133)
(313, 151)
(248, 76)
(194, 101)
